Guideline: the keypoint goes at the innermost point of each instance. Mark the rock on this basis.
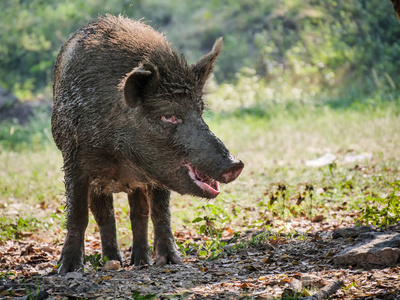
(357, 157)
(310, 280)
(74, 275)
(326, 159)
(352, 232)
(112, 265)
(293, 290)
(296, 285)
(373, 249)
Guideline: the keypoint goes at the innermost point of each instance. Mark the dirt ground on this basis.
(280, 269)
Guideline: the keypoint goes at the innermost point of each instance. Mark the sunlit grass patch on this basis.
(277, 191)
(31, 177)
(18, 228)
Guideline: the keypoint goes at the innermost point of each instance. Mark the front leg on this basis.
(73, 251)
(164, 243)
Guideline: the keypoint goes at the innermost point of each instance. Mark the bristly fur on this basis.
(118, 39)
(128, 35)
(127, 117)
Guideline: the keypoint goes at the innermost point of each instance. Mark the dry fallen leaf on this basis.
(112, 265)
(318, 218)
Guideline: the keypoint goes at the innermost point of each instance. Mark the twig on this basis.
(326, 291)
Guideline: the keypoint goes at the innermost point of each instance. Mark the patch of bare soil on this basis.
(282, 268)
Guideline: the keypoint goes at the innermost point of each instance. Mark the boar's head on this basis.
(169, 139)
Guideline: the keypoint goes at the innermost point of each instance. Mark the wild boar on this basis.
(127, 117)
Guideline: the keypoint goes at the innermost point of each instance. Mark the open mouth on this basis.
(209, 185)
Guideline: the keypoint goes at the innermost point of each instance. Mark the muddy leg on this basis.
(73, 252)
(139, 215)
(102, 208)
(164, 244)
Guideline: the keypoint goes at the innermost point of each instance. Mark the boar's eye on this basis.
(171, 119)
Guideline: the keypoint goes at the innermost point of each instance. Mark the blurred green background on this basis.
(300, 49)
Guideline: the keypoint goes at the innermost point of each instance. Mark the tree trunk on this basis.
(396, 6)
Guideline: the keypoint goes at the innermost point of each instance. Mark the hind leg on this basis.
(102, 208)
(73, 251)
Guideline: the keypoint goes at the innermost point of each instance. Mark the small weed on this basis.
(136, 296)
(6, 275)
(383, 211)
(332, 167)
(279, 195)
(258, 239)
(96, 260)
(351, 285)
(213, 245)
(38, 294)
(285, 200)
(186, 247)
(308, 193)
(289, 294)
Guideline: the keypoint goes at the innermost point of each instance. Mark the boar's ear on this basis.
(204, 67)
(140, 82)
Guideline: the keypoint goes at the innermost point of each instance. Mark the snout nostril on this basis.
(239, 165)
(232, 172)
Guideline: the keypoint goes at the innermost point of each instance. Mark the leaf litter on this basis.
(296, 261)
(281, 267)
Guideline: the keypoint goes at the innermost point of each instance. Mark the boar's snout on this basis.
(232, 172)
(210, 185)
(207, 161)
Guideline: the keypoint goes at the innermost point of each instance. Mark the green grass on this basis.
(275, 189)
(15, 229)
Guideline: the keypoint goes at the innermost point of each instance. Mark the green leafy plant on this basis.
(5, 275)
(279, 196)
(96, 260)
(36, 294)
(15, 229)
(136, 296)
(213, 245)
(383, 211)
(332, 167)
(185, 247)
